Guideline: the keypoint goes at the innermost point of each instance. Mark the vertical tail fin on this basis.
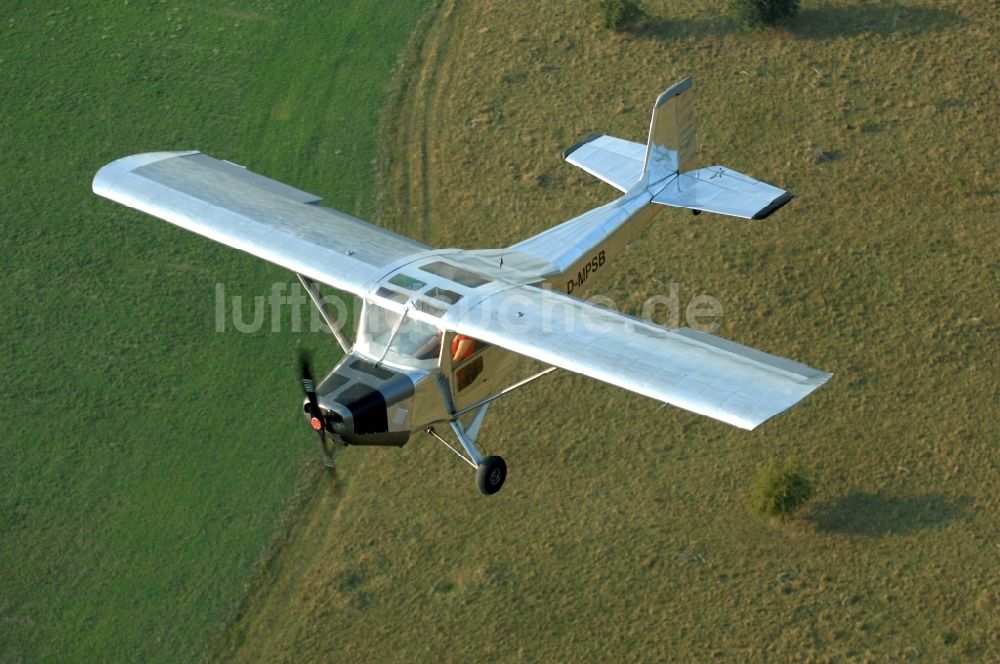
(673, 142)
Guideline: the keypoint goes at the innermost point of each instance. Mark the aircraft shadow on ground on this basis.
(823, 22)
(873, 515)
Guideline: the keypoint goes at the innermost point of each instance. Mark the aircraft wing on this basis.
(685, 368)
(232, 205)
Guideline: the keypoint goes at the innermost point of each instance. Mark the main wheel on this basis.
(492, 473)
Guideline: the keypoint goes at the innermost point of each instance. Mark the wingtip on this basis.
(778, 202)
(109, 174)
(579, 144)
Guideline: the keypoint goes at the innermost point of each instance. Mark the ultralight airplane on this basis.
(441, 329)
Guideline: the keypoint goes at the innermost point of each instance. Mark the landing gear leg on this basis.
(491, 471)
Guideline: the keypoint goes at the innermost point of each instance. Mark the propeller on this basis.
(315, 414)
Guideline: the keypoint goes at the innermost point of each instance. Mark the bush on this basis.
(617, 14)
(780, 489)
(765, 12)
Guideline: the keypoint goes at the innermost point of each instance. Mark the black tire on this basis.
(491, 475)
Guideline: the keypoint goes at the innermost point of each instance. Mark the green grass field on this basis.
(150, 463)
(161, 500)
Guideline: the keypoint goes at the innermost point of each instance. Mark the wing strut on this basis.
(320, 302)
(511, 388)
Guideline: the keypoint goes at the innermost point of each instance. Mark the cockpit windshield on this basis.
(414, 343)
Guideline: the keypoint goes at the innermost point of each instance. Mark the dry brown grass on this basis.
(624, 531)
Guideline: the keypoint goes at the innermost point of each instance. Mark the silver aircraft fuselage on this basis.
(379, 394)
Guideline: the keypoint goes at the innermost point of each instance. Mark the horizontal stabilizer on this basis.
(724, 191)
(614, 160)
